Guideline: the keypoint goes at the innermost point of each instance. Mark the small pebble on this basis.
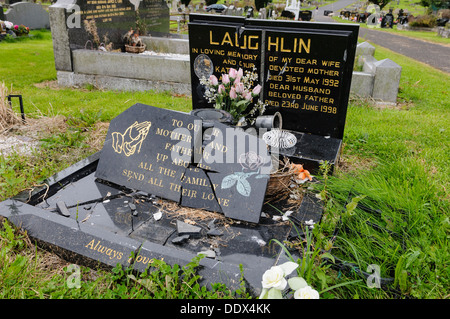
(157, 215)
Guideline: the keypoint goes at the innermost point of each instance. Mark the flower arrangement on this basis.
(21, 29)
(18, 30)
(235, 93)
(301, 173)
(274, 282)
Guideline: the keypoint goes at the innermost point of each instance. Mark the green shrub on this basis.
(425, 21)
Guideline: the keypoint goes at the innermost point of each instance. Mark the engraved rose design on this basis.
(250, 162)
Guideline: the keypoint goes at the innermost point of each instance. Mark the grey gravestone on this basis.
(29, 14)
(387, 80)
(111, 19)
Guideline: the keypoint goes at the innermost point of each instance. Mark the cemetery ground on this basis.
(395, 156)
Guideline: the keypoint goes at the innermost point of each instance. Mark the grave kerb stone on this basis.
(387, 80)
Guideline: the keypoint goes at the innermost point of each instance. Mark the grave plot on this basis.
(173, 185)
(161, 188)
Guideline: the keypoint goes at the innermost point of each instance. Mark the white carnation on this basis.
(306, 293)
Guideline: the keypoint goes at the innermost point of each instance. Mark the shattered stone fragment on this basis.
(61, 208)
(208, 253)
(214, 232)
(180, 239)
(186, 229)
(157, 216)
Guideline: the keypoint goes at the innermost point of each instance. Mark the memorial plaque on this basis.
(107, 21)
(306, 67)
(148, 149)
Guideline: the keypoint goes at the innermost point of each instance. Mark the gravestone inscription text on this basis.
(305, 69)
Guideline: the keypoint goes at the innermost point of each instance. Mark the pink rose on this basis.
(232, 73)
(225, 79)
(221, 89)
(248, 96)
(240, 73)
(16, 27)
(233, 93)
(240, 88)
(257, 89)
(213, 80)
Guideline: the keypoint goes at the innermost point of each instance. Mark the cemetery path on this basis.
(433, 54)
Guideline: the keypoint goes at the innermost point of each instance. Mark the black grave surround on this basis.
(305, 70)
(103, 229)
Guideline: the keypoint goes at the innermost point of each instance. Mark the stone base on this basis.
(71, 79)
(311, 150)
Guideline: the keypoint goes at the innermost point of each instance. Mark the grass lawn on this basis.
(394, 162)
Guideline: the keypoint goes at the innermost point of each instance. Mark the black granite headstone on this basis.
(148, 149)
(197, 191)
(304, 80)
(306, 68)
(107, 21)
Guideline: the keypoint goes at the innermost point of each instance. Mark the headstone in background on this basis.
(107, 21)
(387, 80)
(2, 15)
(31, 15)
